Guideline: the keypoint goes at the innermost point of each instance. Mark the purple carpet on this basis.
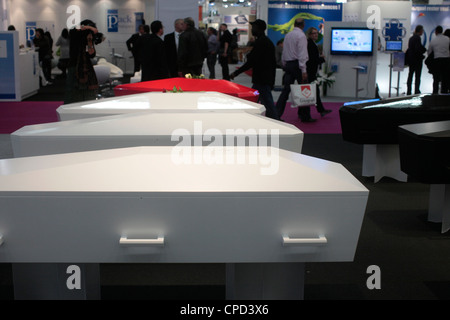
(330, 123)
(15, 115)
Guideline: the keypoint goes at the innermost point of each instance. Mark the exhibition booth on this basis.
(356, 74)
(192, 176)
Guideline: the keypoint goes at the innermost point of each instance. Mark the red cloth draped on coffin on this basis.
(197, 85)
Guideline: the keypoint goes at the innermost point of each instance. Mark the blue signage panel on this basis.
(7, 74)
(30, 28)
(112, 20)
(282, 14)
(139, 17)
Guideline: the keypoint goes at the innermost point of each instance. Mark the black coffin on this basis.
(425, 151)
(377, 122)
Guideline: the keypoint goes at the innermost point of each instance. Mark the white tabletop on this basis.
(167, 169)
(194, 101)
(156, 128)
(158, 122)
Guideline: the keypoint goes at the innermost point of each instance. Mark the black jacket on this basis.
(171, 53)
(314, 60)
(192, 49)
(415, 51)
(133, 43)
(43, 48)
(153, 58)
(262, 60)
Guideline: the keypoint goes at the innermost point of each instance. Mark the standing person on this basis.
(42, 43)
(234, 45)
(439, 46)
(63, 43)
(225, 39)
(447, 32)
(263, 62)
(133, 46)
(192, 50)
(171, 42)
(81, 82)
(153, 54)
(213, 47)
(294, 58)
(415, 56)
(315, 59)
(279, 53)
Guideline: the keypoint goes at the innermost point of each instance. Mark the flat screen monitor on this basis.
(352, 41)
(392, 45)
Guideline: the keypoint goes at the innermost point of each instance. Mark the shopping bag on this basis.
(302, 95)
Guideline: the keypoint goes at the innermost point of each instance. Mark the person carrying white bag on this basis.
(294, 58)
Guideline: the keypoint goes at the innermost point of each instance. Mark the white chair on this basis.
(103, 77)
(136, 77)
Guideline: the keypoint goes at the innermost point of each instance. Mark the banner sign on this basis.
(123, 20)
(112, 20)
(282, 14)
(430, 16)
(139, 17)
(7, 65)
(30, 29)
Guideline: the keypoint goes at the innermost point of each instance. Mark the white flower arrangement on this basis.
(325, 78)
(190, 76)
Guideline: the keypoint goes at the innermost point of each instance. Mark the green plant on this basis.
(325, 78)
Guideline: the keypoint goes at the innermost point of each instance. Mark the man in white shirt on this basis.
(171, 42)
(439, 46)
(294, 58)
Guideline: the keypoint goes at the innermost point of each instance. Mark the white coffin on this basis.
(145, 205)
(154, 128)
(192, 101)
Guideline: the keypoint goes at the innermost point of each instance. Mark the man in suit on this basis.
(153, 55)
(225, 39)
(415, 59)
(171, 41)
(133, 46)
(192, 50)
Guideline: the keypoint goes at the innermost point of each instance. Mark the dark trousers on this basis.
(441, 75)
(47, 68)
(266, 99)
(319, 105)
(225, 69)
(292, 73)
(137, 62)
(416, 72)
(211, 60)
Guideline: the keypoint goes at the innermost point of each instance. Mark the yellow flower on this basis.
(188, 76)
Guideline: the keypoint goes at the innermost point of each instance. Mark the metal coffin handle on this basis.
(288, 241)
(149, 242)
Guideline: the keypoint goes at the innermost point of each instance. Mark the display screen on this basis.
(351, 41)
(393, 45)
